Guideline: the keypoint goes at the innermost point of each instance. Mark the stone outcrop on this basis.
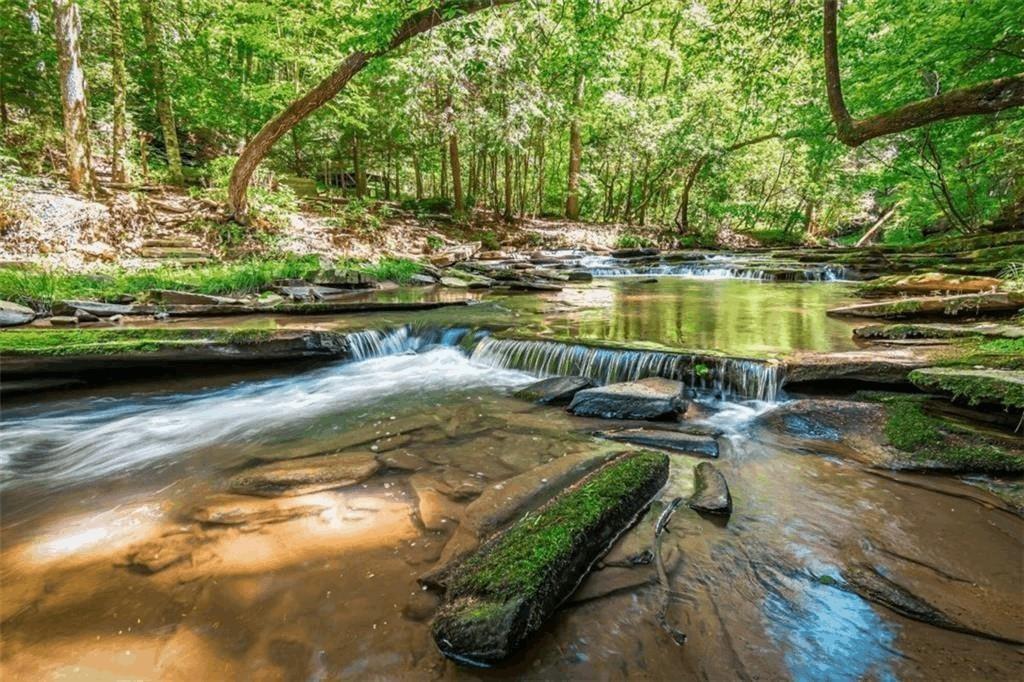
(697, 445)
(650, 398)
(555, 390)
(711, 492)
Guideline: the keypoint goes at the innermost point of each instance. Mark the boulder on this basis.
(650, 398)
(698, 445)
(711, 492)
(454, 282)
(84, 316)
(64, 321)
(555, 390)
(500, 596)
(306, 475)
(422, 280)
(12, 314)
(579, 276)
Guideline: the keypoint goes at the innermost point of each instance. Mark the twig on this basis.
(677, 636)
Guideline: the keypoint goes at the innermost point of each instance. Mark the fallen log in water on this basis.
(502, 594)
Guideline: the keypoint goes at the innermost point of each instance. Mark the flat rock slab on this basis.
(555, 390)
(996, 386)
(711, 492)
(877, 365)
(306, 475)
(12, 314)
(677, 441)
(964, 305)
(938, 330)
(650, 398)
(928, 282)
(241, 510)
(189, 298)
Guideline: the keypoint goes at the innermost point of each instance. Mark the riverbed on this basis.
(324, 586)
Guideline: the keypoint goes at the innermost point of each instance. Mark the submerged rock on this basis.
(306, 475)
(12, 314)
(711, 492)
(500, 596)
(873, 586)
(677, 441)
(555, 390)
(231, 510)
(650, 398)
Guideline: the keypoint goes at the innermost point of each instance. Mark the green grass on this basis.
(525, 555)
(61, 342)
(911, 429)
(994, 353)
(42, 288)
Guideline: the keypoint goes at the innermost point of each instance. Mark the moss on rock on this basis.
(62, 342)
(910, 429)
(503, 593)
(977, 386)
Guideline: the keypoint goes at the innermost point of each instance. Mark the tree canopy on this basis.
(663, 96)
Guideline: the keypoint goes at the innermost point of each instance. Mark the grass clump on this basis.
(996, 353)
(62, 342)
(525, 556)
(398, 270)
(910, 429)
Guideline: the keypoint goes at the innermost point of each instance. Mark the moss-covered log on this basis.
(502, 594)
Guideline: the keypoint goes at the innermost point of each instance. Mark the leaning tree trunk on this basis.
(119, 138)
(164, 105)
(984, 98)
(572, 201)
(259, 146)
(68, 25)
(453, 145)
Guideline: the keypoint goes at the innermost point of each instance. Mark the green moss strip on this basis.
(62, 342)
(504, 592)
(912, 430)
(977, 386)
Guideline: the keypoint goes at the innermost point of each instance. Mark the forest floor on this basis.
(45, 224)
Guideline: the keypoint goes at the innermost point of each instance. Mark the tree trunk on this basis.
(508, 186)
(357, 167)
(273, 130)
(870, 235)
(68, 25)
(419, 176)
(540, 178)
(453, 147)
(164, 105)
(572, 201)
(984, 98)
(119, 137)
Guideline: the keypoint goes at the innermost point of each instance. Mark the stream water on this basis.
(323, 586)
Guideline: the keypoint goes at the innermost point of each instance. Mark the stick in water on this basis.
(677, 636)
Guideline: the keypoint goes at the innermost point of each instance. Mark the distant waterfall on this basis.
(374, 343)
(718, 267)
(721, 376)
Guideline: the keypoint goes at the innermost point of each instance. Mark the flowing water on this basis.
(323, 586)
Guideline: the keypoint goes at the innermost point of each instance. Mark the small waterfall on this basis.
(723, 377)
(374, 343)
(717, 267)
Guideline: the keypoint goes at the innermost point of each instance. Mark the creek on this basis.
(324, 586)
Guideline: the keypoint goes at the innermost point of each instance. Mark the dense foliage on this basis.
(655, 86)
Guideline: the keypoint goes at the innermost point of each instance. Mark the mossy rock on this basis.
(504, 592)
(61, 342)
(939, 443)
(926, 283)
(977, 386)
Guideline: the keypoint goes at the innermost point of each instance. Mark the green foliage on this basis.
(398, 270)
(632, 241)
(488, 240)
(1013, 277)
(434, 243)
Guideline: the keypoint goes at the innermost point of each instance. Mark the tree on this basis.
(984, 98)
(572, 201)
(119, 137)
(164, 105)
(269, 134)
(68, 24)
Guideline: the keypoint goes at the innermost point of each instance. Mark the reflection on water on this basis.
(727, 315)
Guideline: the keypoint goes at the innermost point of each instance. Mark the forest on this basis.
(511, 339)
